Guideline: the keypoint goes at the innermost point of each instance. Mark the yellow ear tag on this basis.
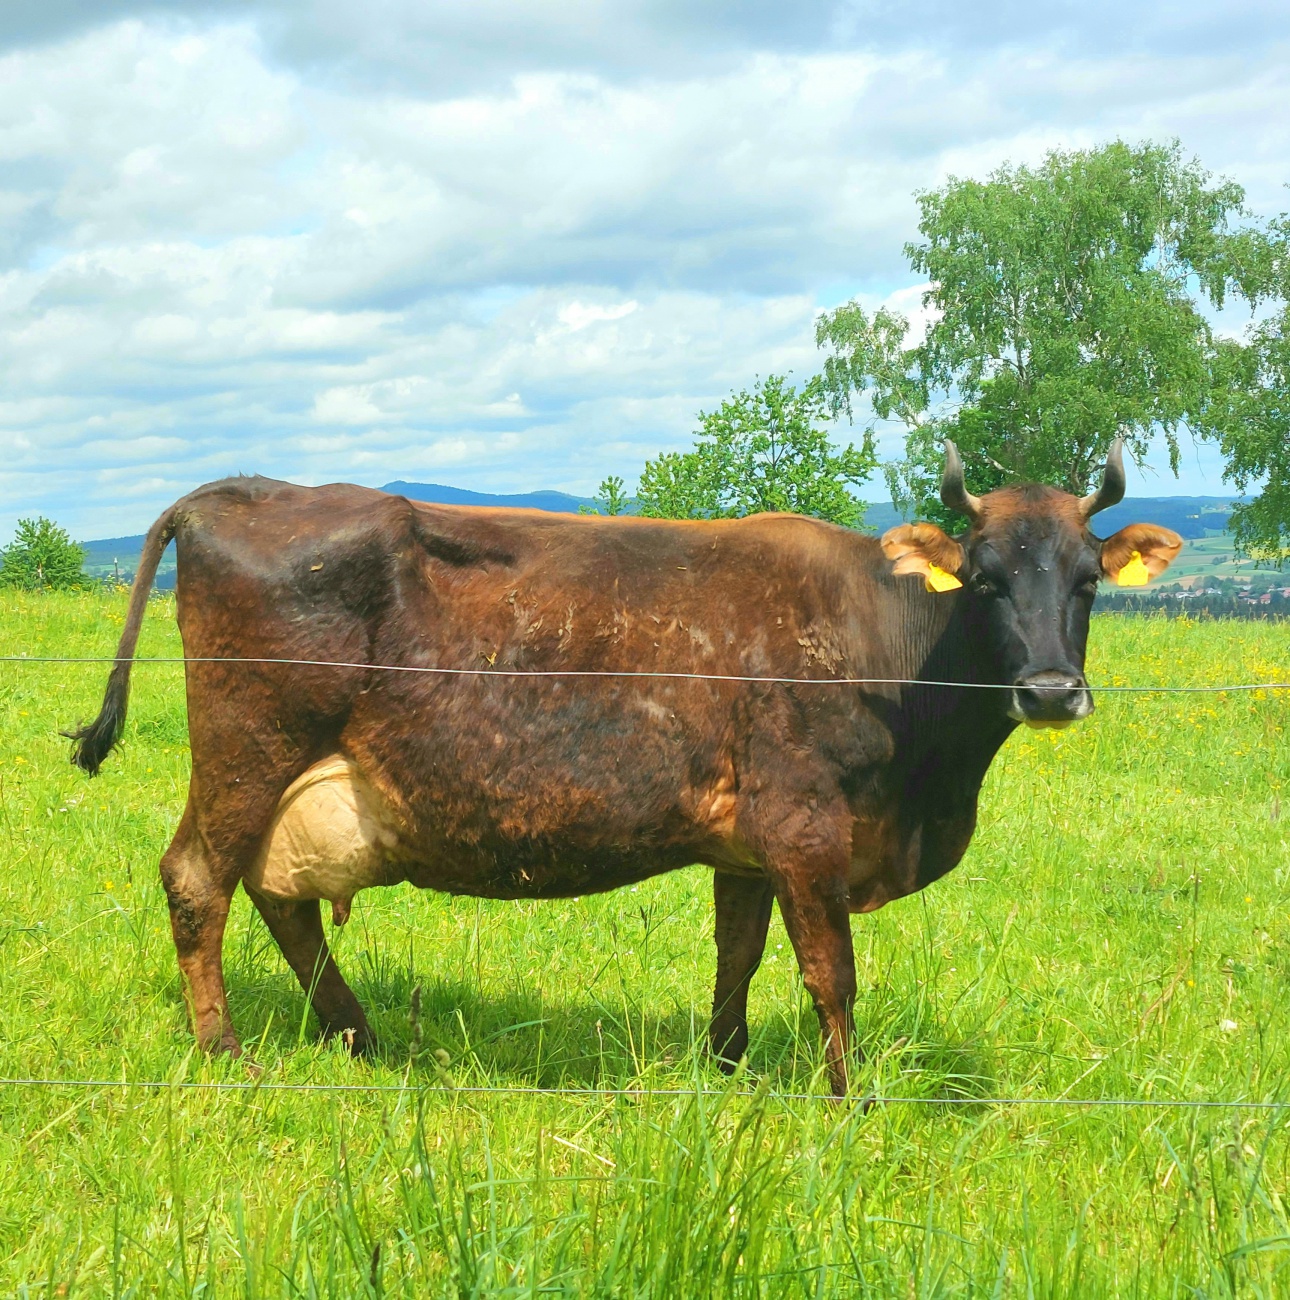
(1135, 573)
(939, 580)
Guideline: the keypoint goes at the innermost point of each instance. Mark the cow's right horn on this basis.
(954, 495)
(1113, 483)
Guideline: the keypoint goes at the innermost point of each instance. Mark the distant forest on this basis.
(1171, 604)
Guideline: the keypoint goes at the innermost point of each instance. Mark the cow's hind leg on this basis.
(198, 893)
(743, 907)
(297, 926)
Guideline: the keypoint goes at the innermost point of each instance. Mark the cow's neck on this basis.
(931, 640)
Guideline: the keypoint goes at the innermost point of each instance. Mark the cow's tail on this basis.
(95, 742)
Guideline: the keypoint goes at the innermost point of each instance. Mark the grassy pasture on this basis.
(1120, 928)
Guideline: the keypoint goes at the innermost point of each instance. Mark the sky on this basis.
(515, 244)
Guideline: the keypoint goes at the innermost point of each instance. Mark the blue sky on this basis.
(510, 244)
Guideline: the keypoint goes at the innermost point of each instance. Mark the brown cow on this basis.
(311, 782)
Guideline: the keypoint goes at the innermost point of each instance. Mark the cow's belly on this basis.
(880, 865)
(331, 835)
(889, 863)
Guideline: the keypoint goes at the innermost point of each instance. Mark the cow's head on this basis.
(1029, 568)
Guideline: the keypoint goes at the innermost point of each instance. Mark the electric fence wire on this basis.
(631, 1093)
(630, 674)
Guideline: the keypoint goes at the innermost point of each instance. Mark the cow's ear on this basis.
(1138, 553)
(925, 549)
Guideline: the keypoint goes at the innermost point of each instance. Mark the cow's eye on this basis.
(983, 586)
(1088, 586)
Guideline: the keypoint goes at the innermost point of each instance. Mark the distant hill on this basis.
(118, 557)
(1188, 516)
(560, 503)
(1191, 517)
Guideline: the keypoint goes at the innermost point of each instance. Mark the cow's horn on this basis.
(1112, 490)
(954, 495)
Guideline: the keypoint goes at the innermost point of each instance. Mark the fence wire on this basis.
(631, 673)
(865, 1102)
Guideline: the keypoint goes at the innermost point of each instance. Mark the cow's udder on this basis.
(331, 836)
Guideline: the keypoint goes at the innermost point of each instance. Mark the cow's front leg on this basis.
(813, 902)
(743, 906)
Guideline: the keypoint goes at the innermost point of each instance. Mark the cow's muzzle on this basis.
(1053, 698)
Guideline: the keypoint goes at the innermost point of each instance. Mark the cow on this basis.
(511, 704)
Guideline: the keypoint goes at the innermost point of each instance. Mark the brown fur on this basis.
(831, 799)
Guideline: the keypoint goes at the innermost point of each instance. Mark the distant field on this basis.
(1211, 557)
(1120, 929)
(116, 558)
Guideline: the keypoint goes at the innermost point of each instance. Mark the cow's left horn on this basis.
(954, 493)
(1113, 483)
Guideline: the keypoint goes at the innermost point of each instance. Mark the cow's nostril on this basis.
(1050, 698)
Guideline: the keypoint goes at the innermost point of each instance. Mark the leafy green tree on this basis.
(1250, 414)
(1066, 309)
(42, 557)
(767, 449)
(610, 495)
(610, 498)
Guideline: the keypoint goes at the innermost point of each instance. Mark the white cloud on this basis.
(231, 245)
(578, 315)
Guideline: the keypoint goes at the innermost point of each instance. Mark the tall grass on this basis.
(1120, 928)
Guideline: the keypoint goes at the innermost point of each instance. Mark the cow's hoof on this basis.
(225, 1045)
(728, 1046)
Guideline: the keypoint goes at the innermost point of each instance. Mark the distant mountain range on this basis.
(1187, 516)
(560, 503)
(1191, 517)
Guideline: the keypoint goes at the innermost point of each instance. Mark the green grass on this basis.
(1120, 928)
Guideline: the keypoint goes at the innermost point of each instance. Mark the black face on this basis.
(1031, 579)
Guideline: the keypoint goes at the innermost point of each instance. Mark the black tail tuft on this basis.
(95, 742)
